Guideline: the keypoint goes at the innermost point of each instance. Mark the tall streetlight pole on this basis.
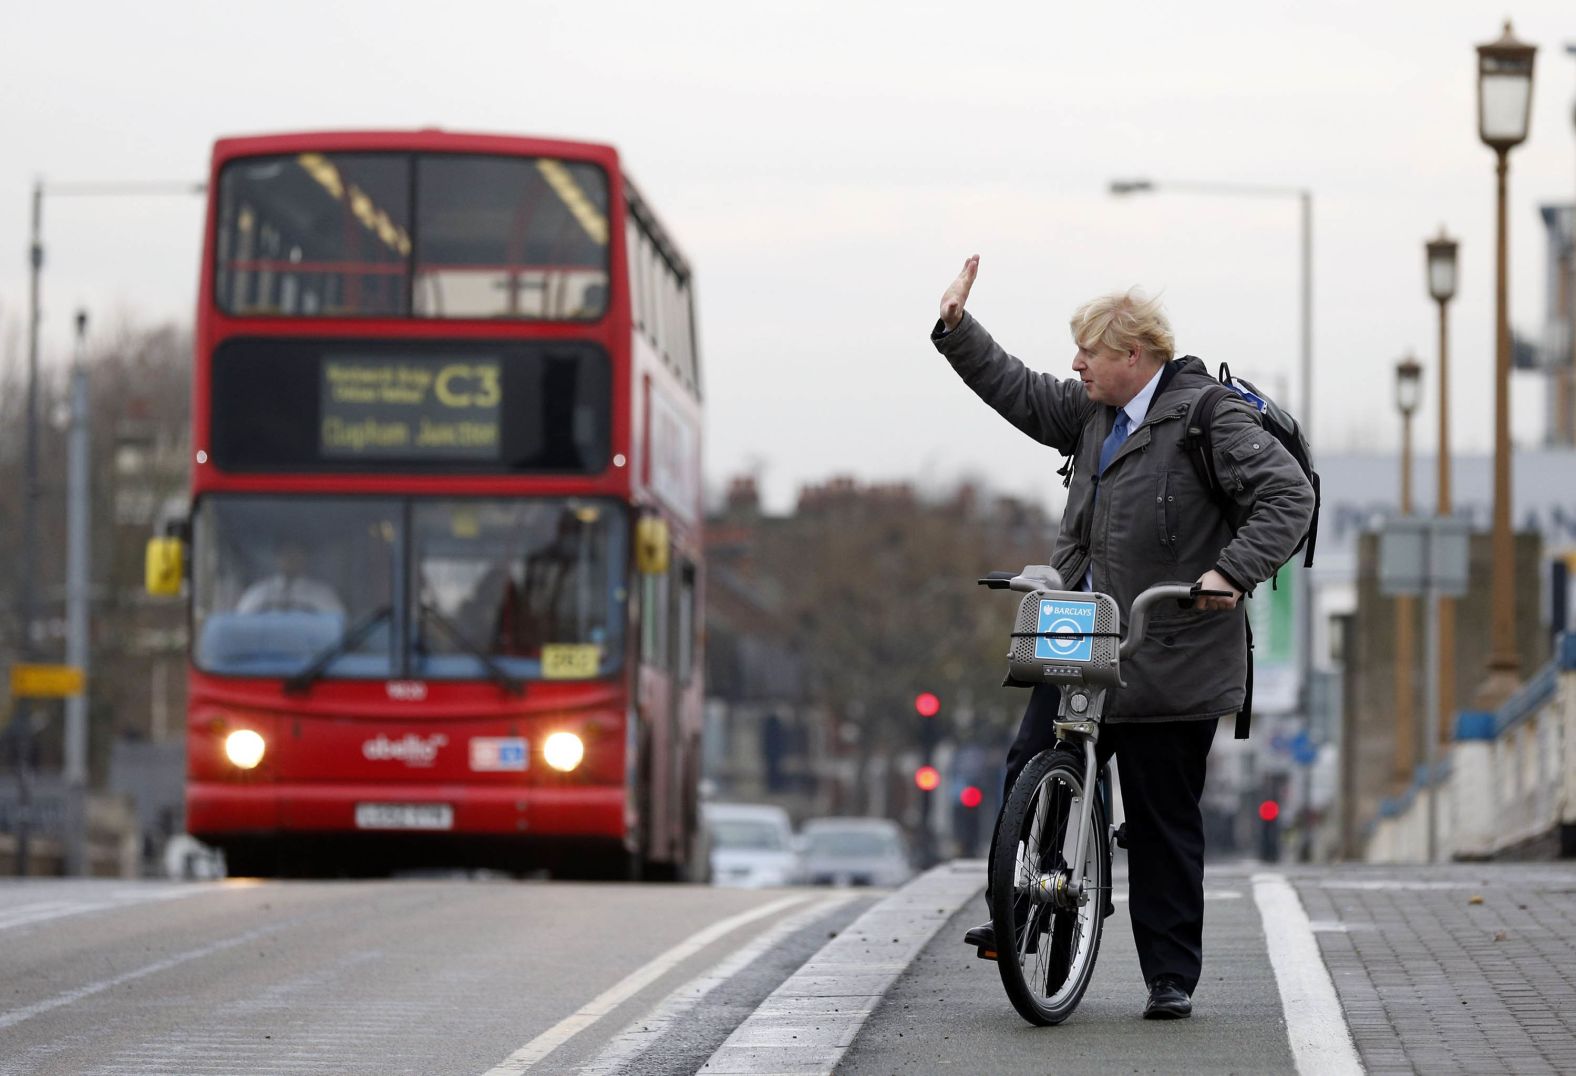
(1504, 107)
(1408, 388)
(1441, 271)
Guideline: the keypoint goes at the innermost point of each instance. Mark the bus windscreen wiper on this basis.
(499, 674)
(301, 682)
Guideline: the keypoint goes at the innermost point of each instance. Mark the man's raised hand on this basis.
(957, 293)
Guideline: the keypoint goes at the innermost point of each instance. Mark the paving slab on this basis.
(1460, 968)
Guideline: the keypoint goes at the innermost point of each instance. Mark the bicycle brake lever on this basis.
(997, 580)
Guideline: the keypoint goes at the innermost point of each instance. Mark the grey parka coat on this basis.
(1154, 520)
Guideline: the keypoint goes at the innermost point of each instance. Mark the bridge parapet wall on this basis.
(1506, 788)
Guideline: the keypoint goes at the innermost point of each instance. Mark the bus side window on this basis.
(686, 335)
(654, 623)
(637, 289)
(684, 624)
(657, 323)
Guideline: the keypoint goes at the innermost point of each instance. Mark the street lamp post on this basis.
(1408, 388)
(1504, 106)
(1441, 266)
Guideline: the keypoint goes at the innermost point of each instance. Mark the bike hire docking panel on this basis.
(1065, 637)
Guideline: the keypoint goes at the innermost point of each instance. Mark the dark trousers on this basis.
(1161, 766)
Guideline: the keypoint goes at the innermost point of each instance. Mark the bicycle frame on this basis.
(1085, 670)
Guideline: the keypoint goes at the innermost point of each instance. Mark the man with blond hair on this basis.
(1137, 514)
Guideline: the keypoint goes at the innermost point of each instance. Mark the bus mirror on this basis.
(164, 567)
(651, 545)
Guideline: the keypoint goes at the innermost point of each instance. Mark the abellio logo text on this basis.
(410, 749)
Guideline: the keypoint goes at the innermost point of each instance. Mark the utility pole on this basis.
(78, 585)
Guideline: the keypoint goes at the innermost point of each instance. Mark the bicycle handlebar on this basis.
(1138, 619)
(1041, 577)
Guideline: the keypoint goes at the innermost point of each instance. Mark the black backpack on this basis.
(1279, 424)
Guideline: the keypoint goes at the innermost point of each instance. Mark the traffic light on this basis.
(970, 796)
(927, 704)
(1269, 831)
(927, 778)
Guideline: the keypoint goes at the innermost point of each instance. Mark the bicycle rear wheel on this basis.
(1046, 947)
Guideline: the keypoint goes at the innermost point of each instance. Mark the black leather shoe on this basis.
(1167, 999)
(983, 938)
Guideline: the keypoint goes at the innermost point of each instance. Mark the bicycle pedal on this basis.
(1119, 835)
(985, 954)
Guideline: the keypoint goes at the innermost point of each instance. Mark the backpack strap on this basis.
(1200, 447)
(1313, 524)
(1066, 469)
(1245, 715)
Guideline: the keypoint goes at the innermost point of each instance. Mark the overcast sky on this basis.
(827, 167)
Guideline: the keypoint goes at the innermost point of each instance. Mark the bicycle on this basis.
(1039, 898)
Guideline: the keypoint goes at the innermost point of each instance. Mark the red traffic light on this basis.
(927, 704)
(970, 796)
(1269, 810)
(928, 778)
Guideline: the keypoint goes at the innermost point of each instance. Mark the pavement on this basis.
(1310, 970)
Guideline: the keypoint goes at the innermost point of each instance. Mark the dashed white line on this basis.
(1321, 1043)
(598, 1007)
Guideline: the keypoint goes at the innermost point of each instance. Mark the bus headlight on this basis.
(244, 748)
(563, 751)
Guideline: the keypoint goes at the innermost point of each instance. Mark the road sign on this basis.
(45, 681)
(1420, 552)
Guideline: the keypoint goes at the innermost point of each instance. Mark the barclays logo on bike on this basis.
(1070, 626)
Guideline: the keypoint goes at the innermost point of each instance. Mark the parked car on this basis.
(752, 845)
(855, 851)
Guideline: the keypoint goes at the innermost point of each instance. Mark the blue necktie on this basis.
(1113, 440)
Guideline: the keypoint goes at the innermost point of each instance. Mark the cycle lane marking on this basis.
(628, 1045)
(528, 1055)
(808, 1023)
(1321, 1041)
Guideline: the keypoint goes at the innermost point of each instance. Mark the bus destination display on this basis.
(385, 408)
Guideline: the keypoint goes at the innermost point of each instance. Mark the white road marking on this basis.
(16, 1016)
(598, 1007)
(1209, 895)
(635, 1039)
(1321, 1043)
(94, 899)
(1383, 884)
(808, 1022)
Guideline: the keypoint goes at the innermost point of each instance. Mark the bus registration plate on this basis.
(404, 816)
(567, 661)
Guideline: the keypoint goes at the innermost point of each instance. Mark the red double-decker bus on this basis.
(445, 554)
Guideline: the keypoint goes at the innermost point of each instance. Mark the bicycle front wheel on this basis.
(1047, 943)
